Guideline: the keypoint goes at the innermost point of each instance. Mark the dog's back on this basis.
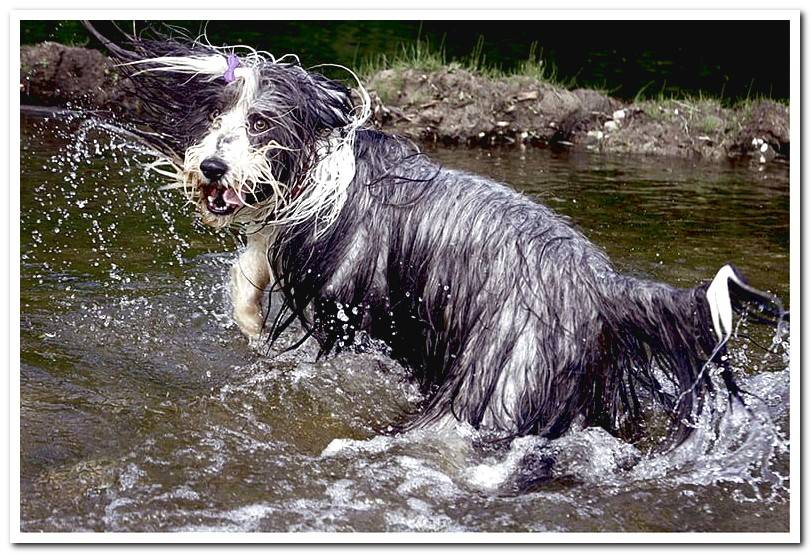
(512, 320)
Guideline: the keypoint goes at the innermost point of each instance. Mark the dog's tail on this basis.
(666, 344)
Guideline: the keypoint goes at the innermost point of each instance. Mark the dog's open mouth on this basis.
(221, 200)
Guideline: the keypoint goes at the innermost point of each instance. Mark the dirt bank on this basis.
(52, 74)
(455, 106)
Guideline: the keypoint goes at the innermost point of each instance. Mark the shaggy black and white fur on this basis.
(511, 320)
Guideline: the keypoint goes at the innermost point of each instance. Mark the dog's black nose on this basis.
(213, 168)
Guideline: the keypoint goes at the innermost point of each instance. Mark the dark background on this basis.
(731, 60)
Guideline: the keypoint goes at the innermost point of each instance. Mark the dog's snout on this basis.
(213, 168)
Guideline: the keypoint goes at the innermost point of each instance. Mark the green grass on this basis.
(536, 67)
(699, 108)
(697, 101)
(701, 114)
(419, 54)
(422, 55)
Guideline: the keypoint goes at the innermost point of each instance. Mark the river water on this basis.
(144, 409)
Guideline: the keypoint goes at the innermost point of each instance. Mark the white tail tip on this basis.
(721, 303)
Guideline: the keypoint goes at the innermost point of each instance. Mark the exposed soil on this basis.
(454, 106)
(52, 74)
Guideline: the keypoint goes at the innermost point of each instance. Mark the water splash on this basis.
(167, 420)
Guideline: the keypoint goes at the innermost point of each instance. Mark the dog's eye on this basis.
(258, 124)
(215, 119)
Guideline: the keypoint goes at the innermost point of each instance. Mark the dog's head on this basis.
(250, 139)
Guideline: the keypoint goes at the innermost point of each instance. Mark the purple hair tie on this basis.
(233, 63)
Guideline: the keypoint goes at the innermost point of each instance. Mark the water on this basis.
(144, 409)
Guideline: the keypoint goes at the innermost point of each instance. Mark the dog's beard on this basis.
(248, 194)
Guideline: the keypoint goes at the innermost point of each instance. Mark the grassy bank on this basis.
(423, 56)
(423, 94)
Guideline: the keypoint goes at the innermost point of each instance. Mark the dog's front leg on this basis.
(250, 275)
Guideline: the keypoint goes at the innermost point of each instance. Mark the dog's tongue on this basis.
(232, 197)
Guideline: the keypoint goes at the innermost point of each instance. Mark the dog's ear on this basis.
(331, 103)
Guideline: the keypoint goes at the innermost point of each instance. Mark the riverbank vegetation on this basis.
(423, 91)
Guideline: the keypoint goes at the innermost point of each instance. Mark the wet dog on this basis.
(511, 320)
